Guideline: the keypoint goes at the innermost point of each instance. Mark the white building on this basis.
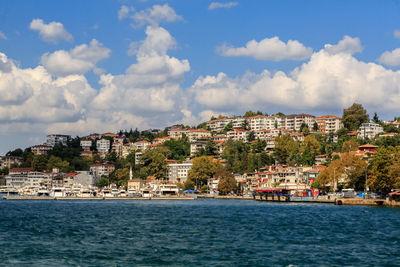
(141, 145)
(178, 172)
(329, 123)
(369, 130)
(237, 123)
(294, 121)
(53, 139)
(103, 145)
(26, 177)
(218, 125)
(86, 144)
(100, 169)
(238, 135)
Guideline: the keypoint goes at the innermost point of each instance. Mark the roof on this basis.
(367, 146)
(328, 117)
(71, 174)
(21, 169)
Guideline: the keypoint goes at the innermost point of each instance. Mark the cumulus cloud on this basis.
(155, 15)
(124, 11)
(78, 60)
(326, 82)
(346, 45)
(269, 49)
(30, 98)
(215, 5)
(3, 36)
(390, 58)
(52, 32)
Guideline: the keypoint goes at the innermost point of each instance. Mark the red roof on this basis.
(328, 117)
(21, 169)
(367, 146)
(71, 174)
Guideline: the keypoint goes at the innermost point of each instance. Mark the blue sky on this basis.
(79, 67)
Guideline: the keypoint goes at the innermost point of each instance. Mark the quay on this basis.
(94, 198)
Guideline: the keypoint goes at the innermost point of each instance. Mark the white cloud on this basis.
(326, 82)
(124, 11)
(31, 99)
(347, 45)
(215, 5)
(269, 49)
(78, 60)
(390, 58)
(396, 34)
(52, 32)
(3, 36)
(155, 15)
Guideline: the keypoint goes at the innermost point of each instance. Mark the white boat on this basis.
(147, 192)
(168, 190)
(115, 192)
(43, 192)
(106, 192)
(59, 192)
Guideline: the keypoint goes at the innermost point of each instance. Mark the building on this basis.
(294, 121)
(237, 123)
(218, 125)
(8, 161)
(136, 184)
(196, 146)
(329, 123)
(79, 179)
(192, 134)
(86, 144)
(369, 130)
(100, 169)
(238, 135)
(103, 146)
(53, 139)
(27, 177)
(41, 149)
(141, 145)
(178, 172)
(257, 123)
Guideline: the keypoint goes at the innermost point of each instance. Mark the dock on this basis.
(94, 198)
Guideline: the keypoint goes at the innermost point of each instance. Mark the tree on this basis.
(354, 116)
(155, 162)
(285, 149)
(15, 153)
(39, 162)
(211, 148)
(251, 137)
(376, 118)
(385, 170)
(350, 145)
(202, 169)
(120, 176)
(227, 182)
(56, 162)
(302, 126)
(103, 182)
(315, 126)
(245, 125)
(228, 127)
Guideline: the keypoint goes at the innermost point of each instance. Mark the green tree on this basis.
(56, 162)
(245, 125)
(15, 153)
(286, 149)
(251, 137)
(228, 127)
(354, 116)
(376, 118)
(103, 182)
(211, 148)
(39, 162)
(315, 126)
(154, 161)
(350, 145)
(227, 182)
(202, 169)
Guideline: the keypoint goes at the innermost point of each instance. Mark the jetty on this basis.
(94, 198)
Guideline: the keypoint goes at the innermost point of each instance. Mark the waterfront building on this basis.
(103, 145)
(178, 172)
(27, 177)
(369, 130)
(79, 179)
(53, 139)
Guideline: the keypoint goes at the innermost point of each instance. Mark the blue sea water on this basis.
(196, 232)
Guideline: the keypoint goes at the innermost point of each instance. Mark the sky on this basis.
(80, 67)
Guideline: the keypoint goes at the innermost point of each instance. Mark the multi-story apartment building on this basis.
(192, 134)
(237, 123)
(196, 146)
(160, 140)
(99, 169)
(369, 130)
(257, 122)
(86, 144)
(329, 123)
(117, 148)
(294, 121)
(238, 135)
(178, 172)
(26, 177)
(218, 124)
(127, 149)
(53, 139)
(141, 145)
(103, 145)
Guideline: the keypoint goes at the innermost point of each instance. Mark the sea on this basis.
(201, 232)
